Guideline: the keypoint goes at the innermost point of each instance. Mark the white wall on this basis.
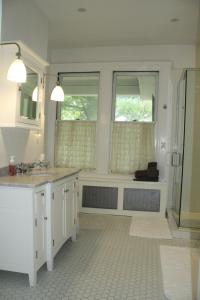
(181, 56)
(22, 20)
(24, 144)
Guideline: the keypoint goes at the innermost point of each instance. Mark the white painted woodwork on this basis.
(121, 182)
(34, 225)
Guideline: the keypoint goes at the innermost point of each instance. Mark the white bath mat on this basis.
(150, 227)
(176, 270)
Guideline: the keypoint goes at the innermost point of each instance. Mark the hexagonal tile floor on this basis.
(104, 263)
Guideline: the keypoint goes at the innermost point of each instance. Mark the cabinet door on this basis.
(58, 215)
(40, 227)
(68, 220)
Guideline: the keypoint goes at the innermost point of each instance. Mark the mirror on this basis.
(29, 96)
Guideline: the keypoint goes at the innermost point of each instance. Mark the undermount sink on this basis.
(41, 174)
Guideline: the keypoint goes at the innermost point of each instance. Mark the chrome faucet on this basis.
(23, 168)
(41, 164)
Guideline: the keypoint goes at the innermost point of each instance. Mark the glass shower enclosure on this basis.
(186, 156)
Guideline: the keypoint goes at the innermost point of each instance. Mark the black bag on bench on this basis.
(150, 174)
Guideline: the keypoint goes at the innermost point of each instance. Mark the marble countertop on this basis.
(37, 177)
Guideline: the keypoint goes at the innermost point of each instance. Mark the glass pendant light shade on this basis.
(57, 94)
(17, 71)
(35, 94)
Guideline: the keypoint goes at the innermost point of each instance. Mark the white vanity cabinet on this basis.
(18, 109)
(23, 230)
(37, 216)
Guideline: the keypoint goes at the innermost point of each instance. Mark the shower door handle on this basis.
(176, 159)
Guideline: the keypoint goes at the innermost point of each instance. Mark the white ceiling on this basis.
(120, 22)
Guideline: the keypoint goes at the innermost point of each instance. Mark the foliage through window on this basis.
(135, 96)
(81, 96)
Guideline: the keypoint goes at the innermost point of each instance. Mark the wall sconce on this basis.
(17, 70)
(57, 93)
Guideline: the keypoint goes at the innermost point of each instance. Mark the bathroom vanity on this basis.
(38, 214)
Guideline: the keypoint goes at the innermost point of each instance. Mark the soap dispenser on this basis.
(12, 167)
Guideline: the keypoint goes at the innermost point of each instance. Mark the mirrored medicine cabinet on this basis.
(17, 106)
(29, 100)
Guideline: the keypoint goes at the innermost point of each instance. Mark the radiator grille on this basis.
(99, 197)
(141, 200)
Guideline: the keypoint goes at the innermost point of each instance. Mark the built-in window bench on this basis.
(120, 195)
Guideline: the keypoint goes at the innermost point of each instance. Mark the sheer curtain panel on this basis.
(133, 146)
(75, 144)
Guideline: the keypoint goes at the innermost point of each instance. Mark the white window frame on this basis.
(115, 73)
(164, 120)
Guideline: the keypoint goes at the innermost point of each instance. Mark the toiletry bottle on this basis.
(12, 167)
(42, 157)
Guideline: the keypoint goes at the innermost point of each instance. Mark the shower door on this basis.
(186, 157)
(177, 154)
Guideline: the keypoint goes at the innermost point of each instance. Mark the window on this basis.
(81, 96)
(133, 120)
(133, 141)
(135, 96)
(76, 121)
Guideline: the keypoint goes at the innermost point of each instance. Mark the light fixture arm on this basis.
(18, 54)
(58, 79)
